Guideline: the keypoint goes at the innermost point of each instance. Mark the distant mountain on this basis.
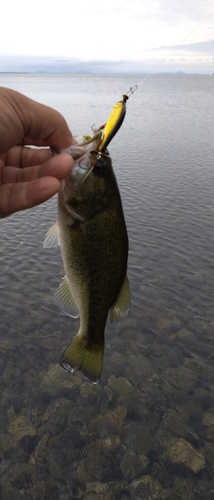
(14, 72)
(83, 72)
(66, 65)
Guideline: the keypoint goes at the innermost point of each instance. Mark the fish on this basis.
(91, 231)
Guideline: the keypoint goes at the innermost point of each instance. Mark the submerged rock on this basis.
(56, 379)
(138, 438)
(183, 452)
(91, 496)
(21, 427)
(208, 419)
(88, 392)
(16, 478)
(121, 385)
(145, 488)
(6, 444)
(115, 418)
(133, 465)
(174, 424)
(98, 491)
(39, 453)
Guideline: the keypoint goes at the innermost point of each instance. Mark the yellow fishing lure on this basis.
(114, 123)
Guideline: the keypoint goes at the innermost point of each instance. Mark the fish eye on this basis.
(99, 167)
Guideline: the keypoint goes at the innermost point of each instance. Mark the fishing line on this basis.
(132, 89)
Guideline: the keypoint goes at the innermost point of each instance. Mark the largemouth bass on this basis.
(92, 233)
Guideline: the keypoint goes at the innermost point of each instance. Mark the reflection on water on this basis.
(146, 431)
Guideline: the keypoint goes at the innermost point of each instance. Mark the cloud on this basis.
(206, 47)
(117, 29)
(203, 47)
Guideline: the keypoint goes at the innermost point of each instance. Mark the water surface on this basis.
(147, 429)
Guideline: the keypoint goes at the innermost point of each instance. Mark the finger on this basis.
(39, 143)
(58, 166)
(15, 197)
(23, 117)
(25, 157)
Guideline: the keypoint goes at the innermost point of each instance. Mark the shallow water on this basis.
(146, 431)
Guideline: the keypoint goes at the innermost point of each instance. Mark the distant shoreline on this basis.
(87, 73)
(15, 73)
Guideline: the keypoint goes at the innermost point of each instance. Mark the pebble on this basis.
(182, 451)
(208, 418)
(145, 488)
(21, 427)
(133, 465)
(121, 385)
(115, 418)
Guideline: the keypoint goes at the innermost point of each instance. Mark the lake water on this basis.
(146, 431)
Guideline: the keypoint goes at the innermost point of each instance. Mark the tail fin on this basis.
(88, 361)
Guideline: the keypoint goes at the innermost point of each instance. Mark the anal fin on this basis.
(63, 298)
(121, 306)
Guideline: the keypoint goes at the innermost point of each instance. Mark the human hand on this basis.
(30, 176)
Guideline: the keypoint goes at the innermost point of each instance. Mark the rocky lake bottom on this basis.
(146, 431)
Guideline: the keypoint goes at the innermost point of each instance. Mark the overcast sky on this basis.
(137, 34)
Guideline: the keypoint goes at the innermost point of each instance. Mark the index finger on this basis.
(23, 118)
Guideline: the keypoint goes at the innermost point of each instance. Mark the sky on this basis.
(100, 36)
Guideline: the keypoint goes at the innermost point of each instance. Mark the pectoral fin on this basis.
(63, 298)
(121, 306)
(52, 237)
